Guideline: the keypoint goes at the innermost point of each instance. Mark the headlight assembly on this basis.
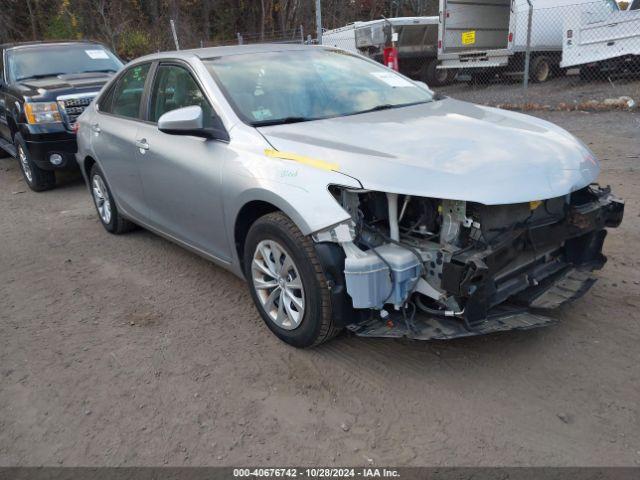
(42, 112)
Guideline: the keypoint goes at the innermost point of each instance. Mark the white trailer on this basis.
(599, 42)
(415, 37)
(481, 34)
(343, 37)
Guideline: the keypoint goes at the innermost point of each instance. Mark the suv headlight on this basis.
(42, 112)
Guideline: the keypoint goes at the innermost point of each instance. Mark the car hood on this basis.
(446, 149)
(63, 83)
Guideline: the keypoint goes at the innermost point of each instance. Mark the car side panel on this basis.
(181, 180)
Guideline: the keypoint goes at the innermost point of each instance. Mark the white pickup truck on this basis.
(492, 34)
(598, 41)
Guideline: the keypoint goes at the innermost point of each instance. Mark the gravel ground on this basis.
(569, 90)
(132, 351)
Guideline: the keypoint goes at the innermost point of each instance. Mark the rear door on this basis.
(474, 32)
(181, 174)
(114, 129)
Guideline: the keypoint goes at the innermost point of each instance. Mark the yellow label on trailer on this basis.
(469, 38)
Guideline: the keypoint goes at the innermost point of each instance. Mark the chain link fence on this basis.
(290, 36)
(528, 54)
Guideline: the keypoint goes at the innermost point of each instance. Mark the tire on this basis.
(452, 75)
(107, 210)
(541, 69)
(275, 240)
(37, 179)
(434, 76)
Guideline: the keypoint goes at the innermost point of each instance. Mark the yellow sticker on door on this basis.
(469, 38)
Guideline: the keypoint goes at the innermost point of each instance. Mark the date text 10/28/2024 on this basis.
(316, 472)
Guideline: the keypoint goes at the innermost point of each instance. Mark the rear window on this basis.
(37, 62)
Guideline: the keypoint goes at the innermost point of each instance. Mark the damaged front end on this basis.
(429, 268)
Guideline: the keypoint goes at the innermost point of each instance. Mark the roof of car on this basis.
(46, 43)
(215, 52)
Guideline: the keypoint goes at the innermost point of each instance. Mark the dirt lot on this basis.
(131, 351)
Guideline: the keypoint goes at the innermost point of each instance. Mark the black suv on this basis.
(44, 87)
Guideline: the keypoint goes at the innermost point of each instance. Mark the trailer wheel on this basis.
(434, 76)
(541, 69)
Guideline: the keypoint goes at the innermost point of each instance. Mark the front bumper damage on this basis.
(495, 280)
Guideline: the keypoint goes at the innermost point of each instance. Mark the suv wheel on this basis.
(38, 179)
(108, 213)
(287, 283)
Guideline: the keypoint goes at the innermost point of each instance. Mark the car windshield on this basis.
(29, 63)
(301, 85)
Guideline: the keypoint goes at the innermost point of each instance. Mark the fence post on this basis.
(319, 20)
(175, 34)
(239, 38)
(301, 34)
(527, 56)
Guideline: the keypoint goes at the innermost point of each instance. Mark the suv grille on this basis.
(72, 107)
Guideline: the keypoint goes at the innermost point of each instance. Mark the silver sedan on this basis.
(348, 196)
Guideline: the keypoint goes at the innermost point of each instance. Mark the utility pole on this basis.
(319, 20)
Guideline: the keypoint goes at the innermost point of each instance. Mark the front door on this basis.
(181, 175)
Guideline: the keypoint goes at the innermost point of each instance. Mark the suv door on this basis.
(181, 175)
(114, 129)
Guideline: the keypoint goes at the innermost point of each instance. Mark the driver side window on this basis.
(174, 87)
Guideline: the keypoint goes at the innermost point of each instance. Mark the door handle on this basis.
(142, 144)
(95, 128)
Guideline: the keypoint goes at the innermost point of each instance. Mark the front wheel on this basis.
(287, 283)
(37, 179)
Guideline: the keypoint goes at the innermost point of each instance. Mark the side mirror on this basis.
(183, 121)
(190, 121)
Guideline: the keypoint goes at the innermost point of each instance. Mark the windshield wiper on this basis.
(38, 76)
(106, 70)
(388, 106)
(281, 121)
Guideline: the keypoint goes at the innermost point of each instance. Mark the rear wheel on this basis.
(434, 76)
(541, 69)
(108, 212)
(287, 283)
(37, 179)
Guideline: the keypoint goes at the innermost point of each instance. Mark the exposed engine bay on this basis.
(436, 268)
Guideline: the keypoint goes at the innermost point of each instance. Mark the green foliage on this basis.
(60, 27)
(133, 43)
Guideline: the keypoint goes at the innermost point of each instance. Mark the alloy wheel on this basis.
(24, 163)
(101, 197)
(278, 284)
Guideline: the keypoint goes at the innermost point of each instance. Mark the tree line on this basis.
(136, 27)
